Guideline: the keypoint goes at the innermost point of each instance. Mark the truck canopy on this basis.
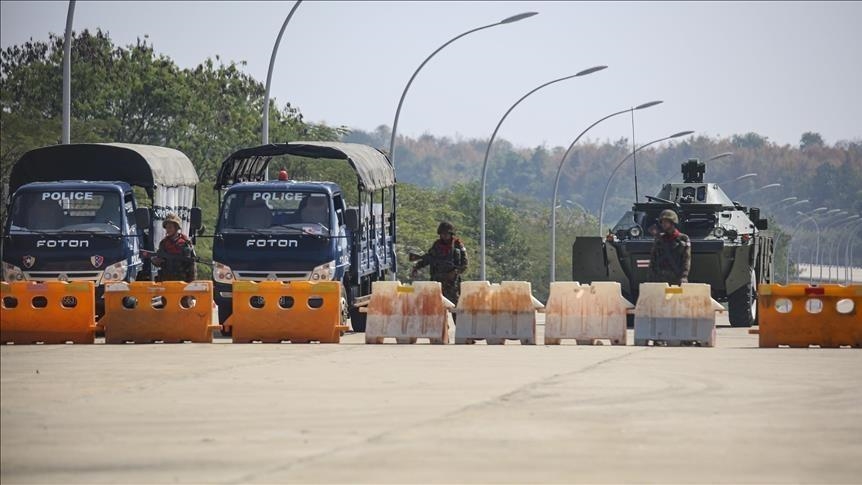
(373, 169)
(141, 165)
(166, 174)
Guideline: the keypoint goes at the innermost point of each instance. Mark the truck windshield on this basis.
(66, 211)
(276, 211)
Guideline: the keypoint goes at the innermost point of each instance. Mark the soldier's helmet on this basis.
(669, 215)
(171, 217)
(446, 228)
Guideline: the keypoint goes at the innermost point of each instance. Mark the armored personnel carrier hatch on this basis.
(730, 250)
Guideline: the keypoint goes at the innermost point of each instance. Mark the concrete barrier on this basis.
(675, 315)
(496, 313)
(586, 313)
(407, 313)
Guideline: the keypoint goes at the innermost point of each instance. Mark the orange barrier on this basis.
(800, 315)
(298, 311)
(407, 313)
(53, 312)
(170, 312)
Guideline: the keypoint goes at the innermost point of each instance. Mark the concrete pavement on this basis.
(397, 413)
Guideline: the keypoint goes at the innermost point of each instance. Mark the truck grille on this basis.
(93, 276)
(272, 276)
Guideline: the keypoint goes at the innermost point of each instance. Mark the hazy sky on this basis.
(775, 68)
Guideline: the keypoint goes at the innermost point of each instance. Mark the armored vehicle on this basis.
(729, 249)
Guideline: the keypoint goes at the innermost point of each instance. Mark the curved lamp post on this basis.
(507, 20)
(817, 252)
(737, 179)
(560, 172)
(836, 247)
(848, 252)
(67, 76)
(488, 151)
(614, 172)
(265, 124)
(767, 186)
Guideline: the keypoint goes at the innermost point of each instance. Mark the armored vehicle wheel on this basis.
(742, 306)
(357, 319)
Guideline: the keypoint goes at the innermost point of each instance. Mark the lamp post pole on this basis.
(508, 20)
(483, 200)
(849, 251)
(67, 76)
(265, 116)
(614, 172)
(560, 172)
(832, 256)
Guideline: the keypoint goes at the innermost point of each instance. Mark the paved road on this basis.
(357, 413)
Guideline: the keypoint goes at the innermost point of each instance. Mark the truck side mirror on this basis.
(351, 219)
(195, 220)
(142, 218)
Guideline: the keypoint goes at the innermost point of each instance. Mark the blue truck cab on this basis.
(74, 216)
(289, 230)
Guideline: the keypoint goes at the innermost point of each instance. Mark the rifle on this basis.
(161, 254)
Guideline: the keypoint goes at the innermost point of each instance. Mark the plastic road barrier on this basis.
(146, 312)
(53, 312)
(496, 313)
(407, 313)
(586, 313)
(675, 315)
(298, 311)
(800, 315)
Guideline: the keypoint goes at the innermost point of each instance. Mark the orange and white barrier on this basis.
(170, 312)
(298, 311)
(407, 313)
(586, 313)
(496, 313)
(53, 312)
(675, 315)
(800, 315)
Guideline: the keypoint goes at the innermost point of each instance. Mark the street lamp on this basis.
(836, 246)
(817, 252)
(737, 179)
(848, 271)
(779, 202)
(767, 186)
(508, 20)
(488, 151)
(265, 122)
(614, 172)
(67, 76)
(560, 172)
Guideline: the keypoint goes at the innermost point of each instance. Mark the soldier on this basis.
(670, 260)
(176, 256)
(448, 260)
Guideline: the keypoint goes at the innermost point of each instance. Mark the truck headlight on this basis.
(115, 272)
(12, 273)
(222, 273)
(324, 272)
(718, 232)
(635, 231)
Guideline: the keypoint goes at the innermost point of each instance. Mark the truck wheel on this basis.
(357, 320)
(742, 306)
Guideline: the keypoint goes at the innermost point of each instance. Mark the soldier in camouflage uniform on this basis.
(175, 256)
(670, 260)
(448, 259)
